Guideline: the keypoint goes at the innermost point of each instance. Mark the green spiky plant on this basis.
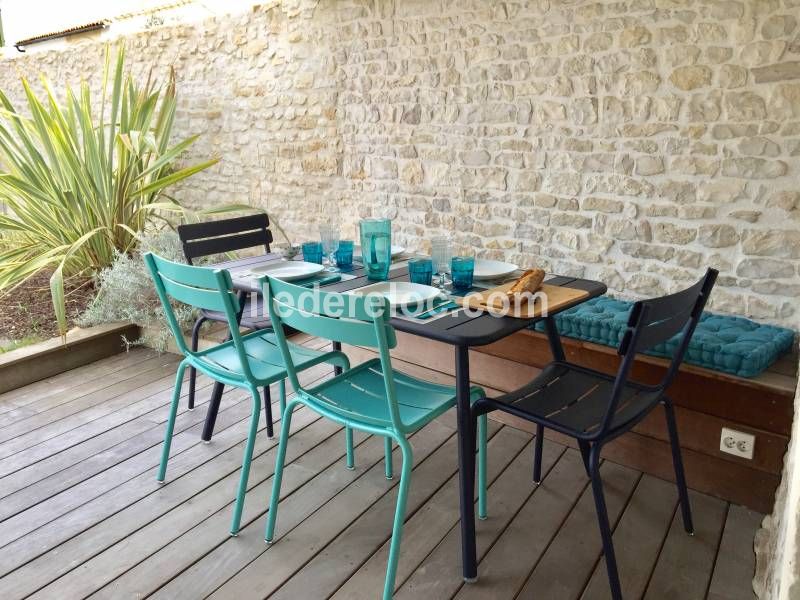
(80, 182)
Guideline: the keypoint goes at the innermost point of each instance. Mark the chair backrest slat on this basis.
(666, 307)
(658, 332)
(347, 318)
(194, 296)
(226, 235)
(355, 333)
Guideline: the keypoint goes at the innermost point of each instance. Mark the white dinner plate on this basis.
(400, 293)
(396, 250)
(288, 270)
(492, 269)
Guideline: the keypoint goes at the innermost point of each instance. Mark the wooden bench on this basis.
(705, 402)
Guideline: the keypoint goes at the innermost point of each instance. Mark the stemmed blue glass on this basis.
(441, 251)
(329, 234)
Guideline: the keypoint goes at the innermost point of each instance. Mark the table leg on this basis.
(554, 339)
(337, 346)
(216, 393)
(466, 466)
(213, 409)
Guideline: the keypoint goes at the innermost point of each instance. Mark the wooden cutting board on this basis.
(492, 300)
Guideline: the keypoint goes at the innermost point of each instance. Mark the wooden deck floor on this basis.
(81, 514)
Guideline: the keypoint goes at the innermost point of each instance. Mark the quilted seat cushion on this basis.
(723, 343)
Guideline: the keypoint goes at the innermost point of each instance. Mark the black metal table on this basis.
(460, 330)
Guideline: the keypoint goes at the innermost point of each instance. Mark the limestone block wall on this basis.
(633, 141)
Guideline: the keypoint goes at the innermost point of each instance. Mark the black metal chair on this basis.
(218, 237)
(594, 407)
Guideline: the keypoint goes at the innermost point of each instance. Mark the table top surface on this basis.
(457, 328)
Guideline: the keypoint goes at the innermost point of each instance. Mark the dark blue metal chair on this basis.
(219, 237)
(594, 407)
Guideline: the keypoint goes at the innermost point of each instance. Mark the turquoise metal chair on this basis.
(371, 397)
(249, 361)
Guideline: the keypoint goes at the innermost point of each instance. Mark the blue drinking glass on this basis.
(420, 270)
(344, 254)
(312, 252)
(462, 268)
(376, 247)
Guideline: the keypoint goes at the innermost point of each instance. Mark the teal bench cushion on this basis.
(723, 343)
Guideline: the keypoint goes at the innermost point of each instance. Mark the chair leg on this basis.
(399, 518)
(286, 423)
(340, 365)
(585, 449)
(248, 457)
(602, 519)
(387, 457)
(282, 395)
(173, 411)
(482, 435)
(192, 370)
(348, 444)
(537, 454)
(677, 462)
(268, 411)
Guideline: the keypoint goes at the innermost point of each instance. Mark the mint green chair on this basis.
(371, 397)
(249, 361)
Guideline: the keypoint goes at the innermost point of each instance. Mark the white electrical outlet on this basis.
(737, 443)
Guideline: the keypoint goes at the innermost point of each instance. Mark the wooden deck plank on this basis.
(210, 534)
(24, 495)
(320, 439)
(85, 441)
(733, 571)
(424, 531)
(637, 539)
(507, 564)
(52, 408)
(152, 436)
(96, 407)
(125, 486)
(300, 509)
(368, 537)
(107, 519)
(684, 566)
(70, 382)
(98, 526)
(438, 573)
(111, 480)
(295, 548)
(97, 450)
(568, 562)
(146, 372)
(149, 400)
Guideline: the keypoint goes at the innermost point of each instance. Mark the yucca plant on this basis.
(80, 179)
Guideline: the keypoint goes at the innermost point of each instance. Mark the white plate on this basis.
(400, 293)
(288, 270)
(396, 250)
(492, 269)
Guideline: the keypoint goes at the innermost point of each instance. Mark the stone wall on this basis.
(634, 141)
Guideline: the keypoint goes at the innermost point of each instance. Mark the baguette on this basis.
(530, 281)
